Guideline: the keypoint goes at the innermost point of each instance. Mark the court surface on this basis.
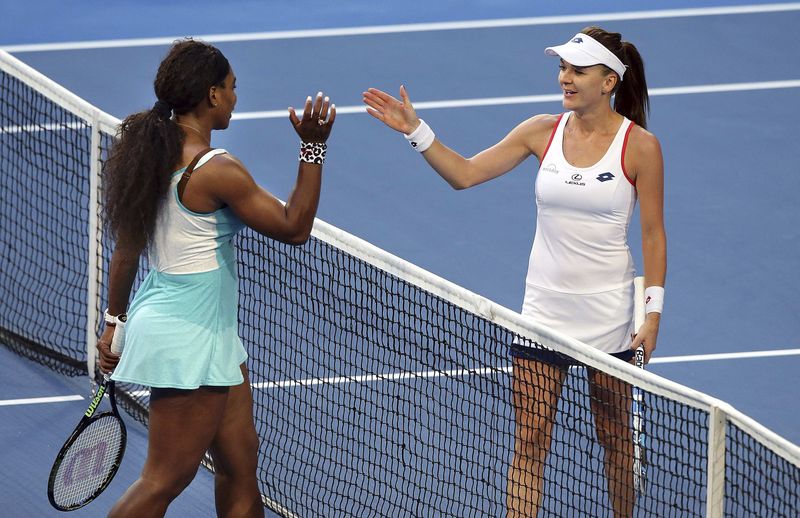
(724, 86)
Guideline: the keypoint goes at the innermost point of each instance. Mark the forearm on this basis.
(122, 273)
(451, 166)
(301, 207)
(654, 252)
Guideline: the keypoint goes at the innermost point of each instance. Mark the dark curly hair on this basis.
(630, 96)
(149, 144)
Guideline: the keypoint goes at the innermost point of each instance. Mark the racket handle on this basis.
(118, 340)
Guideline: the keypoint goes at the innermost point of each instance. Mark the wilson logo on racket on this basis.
(88, 461)
(96, 401)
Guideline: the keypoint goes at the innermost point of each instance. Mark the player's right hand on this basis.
(107, 359)
(397, 114)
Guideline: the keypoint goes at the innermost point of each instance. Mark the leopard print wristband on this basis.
(313, 152)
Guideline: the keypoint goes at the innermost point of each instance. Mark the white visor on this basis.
(585, 51)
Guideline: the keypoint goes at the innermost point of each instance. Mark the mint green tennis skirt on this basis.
(182, 331)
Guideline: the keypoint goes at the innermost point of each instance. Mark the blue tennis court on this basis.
(724, 80)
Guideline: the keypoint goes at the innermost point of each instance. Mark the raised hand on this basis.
(397, 114)
(317, 121)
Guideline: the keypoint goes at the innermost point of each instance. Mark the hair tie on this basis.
(162, 109)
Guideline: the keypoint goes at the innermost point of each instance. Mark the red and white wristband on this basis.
(654, 299)
(422, 137)
(313, 152)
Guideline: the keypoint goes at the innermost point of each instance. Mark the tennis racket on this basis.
(92, 454)
(637, 408)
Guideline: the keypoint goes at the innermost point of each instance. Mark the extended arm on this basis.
(233, 185)
(526, 139)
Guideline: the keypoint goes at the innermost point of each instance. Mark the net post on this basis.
(94, 248)
(715, 490)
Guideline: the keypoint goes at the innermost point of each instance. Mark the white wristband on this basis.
(118, 338)
(422, 137)
(654, 299)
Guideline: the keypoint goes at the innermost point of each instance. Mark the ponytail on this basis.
(631, 98)
(136, 176)
(630, 95)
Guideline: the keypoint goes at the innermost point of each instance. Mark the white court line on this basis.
(414, 27)
(50, 126)
(726, 356)
(404, 376)
(531, 99)
(38, 400)
(401, 376)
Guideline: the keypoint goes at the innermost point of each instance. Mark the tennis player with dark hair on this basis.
(170, 194)
(596, 160)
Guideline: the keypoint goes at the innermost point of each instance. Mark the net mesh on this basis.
(758, 482)
(375, 394)
(44, 206)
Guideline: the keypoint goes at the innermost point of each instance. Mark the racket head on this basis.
(88, 461)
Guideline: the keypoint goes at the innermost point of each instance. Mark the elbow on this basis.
(298, 238)
(298, 241)
(464, 179)
(460, 183)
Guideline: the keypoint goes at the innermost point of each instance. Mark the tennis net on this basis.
(380, 389)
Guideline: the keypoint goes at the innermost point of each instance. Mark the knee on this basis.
(532, 440)
(239, 463)
(169, 486)
(612, 435)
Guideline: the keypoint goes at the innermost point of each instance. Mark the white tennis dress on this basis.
(182, 329)
(580, 274)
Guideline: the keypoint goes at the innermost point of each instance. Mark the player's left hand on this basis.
(317, 119)
(647, 335)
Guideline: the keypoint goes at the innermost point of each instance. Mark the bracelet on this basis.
(422, 137)
(313, 152)
(654, 299)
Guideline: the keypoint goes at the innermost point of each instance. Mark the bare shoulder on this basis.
(225, 176)
(643, 143)
(227, 166)
(643, 155)
(536, 131)
(541, 124)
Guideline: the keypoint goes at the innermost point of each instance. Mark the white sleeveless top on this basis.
(583, 213)
(192, 242)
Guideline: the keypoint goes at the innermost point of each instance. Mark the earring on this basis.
(215, 105)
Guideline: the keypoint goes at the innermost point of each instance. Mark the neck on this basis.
(194, 128)
(596, 119)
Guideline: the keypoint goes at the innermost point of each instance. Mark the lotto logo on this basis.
(577, 40)
(605, 177)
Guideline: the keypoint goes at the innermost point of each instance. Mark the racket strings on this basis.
(89, 463)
